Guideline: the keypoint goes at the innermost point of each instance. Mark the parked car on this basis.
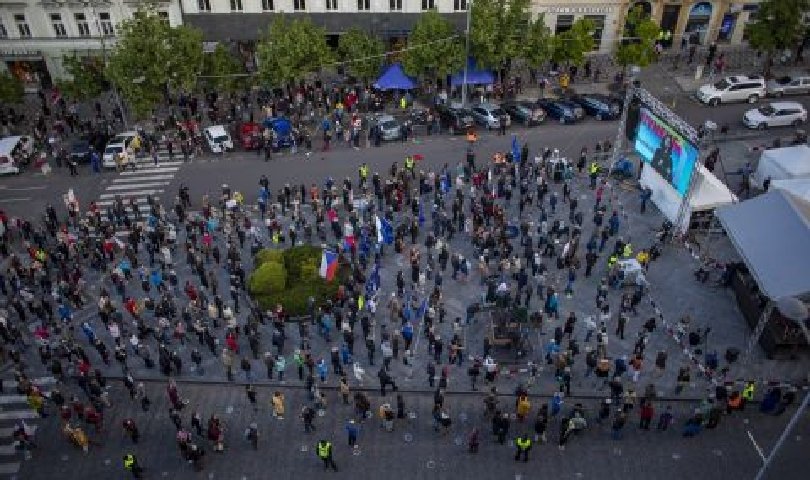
(282, 132)
(776, 114)
(14, 152)
(117, 145)
(601, 107)
(80, 151)
(563, 110)
(455, 118)
(218, 139)
(788, 86)
(525, 113)
(738, 88)
(390, 129)
(250, 135)
(489, 115)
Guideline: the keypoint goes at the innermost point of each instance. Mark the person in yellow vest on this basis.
(324, 451)
(240, 199)
(564, 81)
(643, 258)
(593, 173)
(612, 261)
(628, 250)
(276, 237)
(131, 465)
(361, 302)
(523, 444)
(748, 393)
(409, 164)
(523, 407)
(403, 102)
(362, 172)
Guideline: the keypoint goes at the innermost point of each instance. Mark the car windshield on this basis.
(498, 112)
(767, 110)
(389, 124)
(114, 150)
(221, 139)
(721, 85)
(464, 112)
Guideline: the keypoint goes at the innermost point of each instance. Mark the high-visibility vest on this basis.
(628, 250)
(594, 168)
(409, 162)
(612, 260)
(523, 443)
(129, 462)
(748, 392)
(324, 449)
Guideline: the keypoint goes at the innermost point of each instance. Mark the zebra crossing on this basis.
(146, 179)
(14, 407)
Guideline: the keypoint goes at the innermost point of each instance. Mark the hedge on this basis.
(296, 269)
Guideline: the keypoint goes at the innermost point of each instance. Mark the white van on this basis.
(118, 144)
(14, 150)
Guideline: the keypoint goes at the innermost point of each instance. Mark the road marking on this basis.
(9, 468)
(130, 194)
(6, 432)
(137, 185)
(756, 445)
(10, 200)
(104, 203)
(10, 399)
(20, 189)
(150, 170)
(152, 177)
(18, 414)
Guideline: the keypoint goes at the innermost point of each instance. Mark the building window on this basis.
(58, 26)
(564, 23)
(267, 5)
(105, 24)
(598, 28)
(300, 5)
(363, 5)
(82, 25)
(3, 31)
(22, 25)
(460, 5)
(163, 15)
(236, 5)
(331, 5)
(428, 4)
(396, 5)
(204, 5)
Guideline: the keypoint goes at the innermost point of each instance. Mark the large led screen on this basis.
(667, 151)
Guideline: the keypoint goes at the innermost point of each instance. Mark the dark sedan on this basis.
(562, 110)
(455, 119)
(525, 113)
(598, 106)
(80, 151)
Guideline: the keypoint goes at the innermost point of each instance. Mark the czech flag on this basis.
(328, 265)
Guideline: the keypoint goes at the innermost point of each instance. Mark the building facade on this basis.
(35, 35)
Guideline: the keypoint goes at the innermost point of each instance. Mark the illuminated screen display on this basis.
(667, 151)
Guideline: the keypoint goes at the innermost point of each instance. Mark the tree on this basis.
(291, 50)
(638, 48)
(151, 57)
(11, 88)
(86, 77)
(498, 29)
(435, 48)
(220, 68)
(538, 45)
(362, 52)
(779, 25)
(571, 46)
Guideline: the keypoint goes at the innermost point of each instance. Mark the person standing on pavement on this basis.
(523, 444)
(353, 431)
(324, 451)
(131, 464)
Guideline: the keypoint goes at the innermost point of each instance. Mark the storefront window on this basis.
(564, 23)
(598, 28)
(697, 27)
(268, 6)
(396, 5)
(727, 27)
(428, 4)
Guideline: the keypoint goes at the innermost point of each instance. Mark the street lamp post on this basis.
(466, 55)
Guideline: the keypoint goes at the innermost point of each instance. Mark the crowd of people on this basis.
(171, 275)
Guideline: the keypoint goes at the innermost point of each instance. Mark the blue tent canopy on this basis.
(475, 76)
(394, 78)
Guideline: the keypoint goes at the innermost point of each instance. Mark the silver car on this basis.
(390, 129)
(490, 115)
(788, 86)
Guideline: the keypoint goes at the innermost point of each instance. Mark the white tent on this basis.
(708, 193)
(799, 187)
(782, 164)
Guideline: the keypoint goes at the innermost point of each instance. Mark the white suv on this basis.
(776, 114)
(739, 88)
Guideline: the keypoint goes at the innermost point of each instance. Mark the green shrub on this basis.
(296, 257)
(270, 278)
(310, 273)
(269, 255)
(296, 299)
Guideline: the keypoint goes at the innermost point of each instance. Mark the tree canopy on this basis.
(362, 52)
(779, 25)
(11, 89)
(498, 30)
(291, 50)
(86, 77)
(434, 47)
(151, 56)
(639, 48)
(220, 68)
(571, 46)
(538, 45)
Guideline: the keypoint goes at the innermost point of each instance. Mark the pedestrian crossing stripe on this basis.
(157, 169)
(138, 179)
(128, 194)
